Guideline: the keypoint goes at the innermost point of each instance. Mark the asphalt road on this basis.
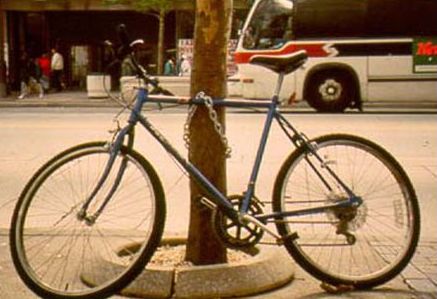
(30, 136)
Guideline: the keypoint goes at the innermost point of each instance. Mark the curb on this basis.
(56, 103)
(67, 99)
(271, 268)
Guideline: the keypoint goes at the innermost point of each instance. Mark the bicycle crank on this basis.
(237, 234)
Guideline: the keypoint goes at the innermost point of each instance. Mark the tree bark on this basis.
(2, 61)
(161, 32)
(211, 35)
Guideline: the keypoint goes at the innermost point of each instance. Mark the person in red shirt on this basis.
(44, 66)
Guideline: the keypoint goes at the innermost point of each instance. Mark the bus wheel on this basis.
(330, 92)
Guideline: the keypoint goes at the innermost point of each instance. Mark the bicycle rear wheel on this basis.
(59, 256)
(364, 246)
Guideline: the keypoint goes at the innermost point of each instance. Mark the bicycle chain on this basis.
(207, 100)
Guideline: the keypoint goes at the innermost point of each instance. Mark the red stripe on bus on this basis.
(313, 50)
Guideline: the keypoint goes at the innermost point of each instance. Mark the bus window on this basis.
(423, 17)
(405, 18)
(270, 26)
(317, 19)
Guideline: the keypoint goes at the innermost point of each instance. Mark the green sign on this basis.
(425, 55)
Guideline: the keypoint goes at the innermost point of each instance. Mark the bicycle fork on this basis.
(114, 150)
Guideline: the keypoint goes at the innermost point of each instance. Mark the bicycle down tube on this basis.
(198, 176)
(218, 197)
(272, 114)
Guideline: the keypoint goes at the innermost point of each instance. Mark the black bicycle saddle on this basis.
(281, 64)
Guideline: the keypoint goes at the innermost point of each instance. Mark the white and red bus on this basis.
(359, 50)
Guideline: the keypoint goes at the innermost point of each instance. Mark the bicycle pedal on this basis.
(336, 289)
(251, 250)
(291, 237)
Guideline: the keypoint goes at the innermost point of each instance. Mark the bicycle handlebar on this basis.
(126, 49)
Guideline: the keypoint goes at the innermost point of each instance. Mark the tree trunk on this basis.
(2, 61)
(211, 35)
(161, 32)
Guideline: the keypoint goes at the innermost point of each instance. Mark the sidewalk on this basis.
(61, 99)
(419, 280)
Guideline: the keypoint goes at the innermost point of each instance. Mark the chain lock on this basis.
(218, 128)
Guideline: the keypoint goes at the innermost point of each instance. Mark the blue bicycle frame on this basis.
(218, 198)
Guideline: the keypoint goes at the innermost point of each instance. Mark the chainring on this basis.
(235, 234)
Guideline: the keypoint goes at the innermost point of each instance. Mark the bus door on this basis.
(267, 31)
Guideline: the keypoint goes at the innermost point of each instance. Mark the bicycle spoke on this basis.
(366, 245)
(64, 255)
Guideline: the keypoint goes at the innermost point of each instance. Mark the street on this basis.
(30, 137)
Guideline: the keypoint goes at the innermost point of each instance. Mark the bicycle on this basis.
(343, 207)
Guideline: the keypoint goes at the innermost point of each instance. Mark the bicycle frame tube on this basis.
(250, 191)
(299, 139)
(218, 197)
(114, 150)
(271, 114)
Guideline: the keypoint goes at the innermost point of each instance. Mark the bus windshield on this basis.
(270, 26)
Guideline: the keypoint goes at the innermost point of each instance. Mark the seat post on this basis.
(278, 86)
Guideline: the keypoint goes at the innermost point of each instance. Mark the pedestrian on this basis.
(57, 67)
(30, 75)
(127, 66)
(184, 66)
(44, 65)
(169, 67)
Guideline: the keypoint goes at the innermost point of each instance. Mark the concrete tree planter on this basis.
(270, 268)
(97, 84)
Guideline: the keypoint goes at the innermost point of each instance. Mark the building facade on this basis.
(78, 28)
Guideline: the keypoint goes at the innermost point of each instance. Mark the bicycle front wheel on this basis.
(362, 246)
(58, 255)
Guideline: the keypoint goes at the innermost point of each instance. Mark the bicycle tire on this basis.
(59, 256)
(385, 228)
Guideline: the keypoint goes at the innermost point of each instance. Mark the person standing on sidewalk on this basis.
(184, 66)
(30, 76)
(57, 67)
(44, 65)
(169, 67)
